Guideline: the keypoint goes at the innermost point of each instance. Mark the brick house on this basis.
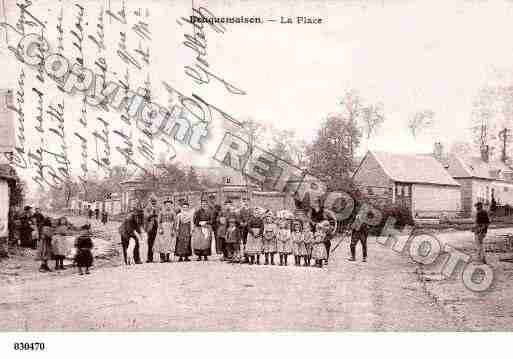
(481, 179)
(417, 181)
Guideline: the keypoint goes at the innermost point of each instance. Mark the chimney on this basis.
(485, 153)
(438, 151)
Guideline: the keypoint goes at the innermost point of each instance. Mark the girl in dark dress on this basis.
(84, 244)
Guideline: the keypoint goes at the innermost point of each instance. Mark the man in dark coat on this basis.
(245, 214)
(152, 224)
(359, 233)
(480, 230)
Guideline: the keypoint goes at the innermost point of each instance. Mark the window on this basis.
(370, 191)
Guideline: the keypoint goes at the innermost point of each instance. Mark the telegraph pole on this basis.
(503, 135)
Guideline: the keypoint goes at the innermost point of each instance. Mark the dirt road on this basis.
(383, 294)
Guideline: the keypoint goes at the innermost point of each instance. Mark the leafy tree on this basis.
(331, 154)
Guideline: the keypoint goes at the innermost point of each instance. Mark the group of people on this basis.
(96, 214)
(48, 235)
(243, 235)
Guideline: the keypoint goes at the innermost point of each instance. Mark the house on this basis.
(7, 177)
(481, 179)
(417, 181)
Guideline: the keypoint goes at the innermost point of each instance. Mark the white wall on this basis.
(427, 197)
(4, 208)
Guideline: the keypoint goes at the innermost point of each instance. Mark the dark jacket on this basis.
(202, 215)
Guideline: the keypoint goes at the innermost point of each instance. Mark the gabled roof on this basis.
(475, 167)
(413, 168)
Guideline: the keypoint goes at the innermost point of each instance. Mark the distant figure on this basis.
(480, 229)
(97, 213)
(105, 217)
(89, 212)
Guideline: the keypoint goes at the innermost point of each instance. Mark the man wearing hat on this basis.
(245, 214)
(152, 225)
(480, 230)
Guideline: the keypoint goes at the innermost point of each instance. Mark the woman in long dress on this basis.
(166, 236)
(202, 234)
(45, 244)
(184, 224)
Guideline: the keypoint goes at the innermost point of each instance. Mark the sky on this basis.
(409, 55)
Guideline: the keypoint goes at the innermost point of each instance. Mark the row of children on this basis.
(274, 235)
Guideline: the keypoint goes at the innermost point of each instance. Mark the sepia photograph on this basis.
(254, 167)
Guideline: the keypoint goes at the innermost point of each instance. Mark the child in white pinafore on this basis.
(308, 239)
(298, 244)
(319, 253)
(284, 242)
(269, 240)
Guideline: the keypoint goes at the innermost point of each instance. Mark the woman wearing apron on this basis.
(166, 236)
(183, 240)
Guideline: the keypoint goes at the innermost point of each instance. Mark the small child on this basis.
(221, 229)
(232, 241)
(254, 242)
(269, 240)
(319, 249)
(284, 242)
(84, 244)
(308, 239)
(59, 244)
(298, 244)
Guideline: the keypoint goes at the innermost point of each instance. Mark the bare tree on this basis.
(420, 121)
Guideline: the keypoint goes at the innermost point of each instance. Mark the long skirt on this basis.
(183, 240)
(202, 241)
(84, 257)
(45, 248)
(166, 241)
(319, 251)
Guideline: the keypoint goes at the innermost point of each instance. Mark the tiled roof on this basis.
(468, 167)
(413, 168)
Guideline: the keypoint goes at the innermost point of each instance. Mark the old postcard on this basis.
(230, 165)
